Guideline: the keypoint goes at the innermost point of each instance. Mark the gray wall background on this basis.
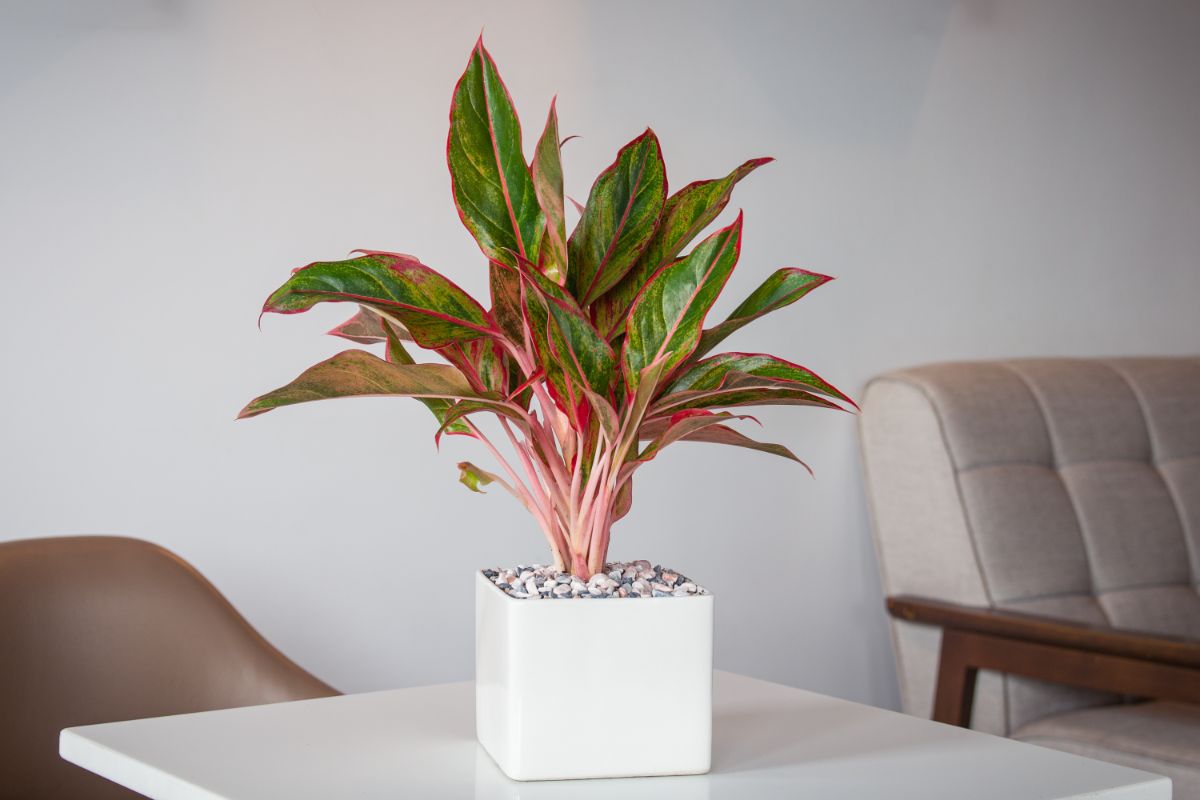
(985, 178)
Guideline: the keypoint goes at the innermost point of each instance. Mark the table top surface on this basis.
(768, 741)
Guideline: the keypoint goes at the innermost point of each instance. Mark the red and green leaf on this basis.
(473, 477)
(397, 354)
(547, 173)
(573, 354)
(782, 288)
(711, 373)
(667, 317)
(722, 434)
(458, 411)
(740, 390)
(492, 186)
(621, 214)
(684, 215)
(357, 373)
(366, 327)
(679, 426)
(435, 311)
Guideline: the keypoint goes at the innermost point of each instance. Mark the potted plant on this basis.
(592, 357)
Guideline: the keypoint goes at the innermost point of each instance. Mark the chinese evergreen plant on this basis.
(594, 355)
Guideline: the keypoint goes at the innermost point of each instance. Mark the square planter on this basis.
(597, 688)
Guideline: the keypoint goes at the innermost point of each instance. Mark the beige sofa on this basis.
(1041, 519)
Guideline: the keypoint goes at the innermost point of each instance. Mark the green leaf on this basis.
(572, 352)
(473, 477)
(606, 415)
(547, 176)
(667, 316)
(357, 373)
(782, 288)
(464, 408)
(680, 426)
(492, 186)
(491, 365)
(621, 213)
(684, 215)
(433, 309)
(397, 354)
(722, 434)
(740, 390)
(638, 403)
(711, 373)
(505, 286)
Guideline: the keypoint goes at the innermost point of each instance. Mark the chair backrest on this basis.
(1066, 487)
(98, 629)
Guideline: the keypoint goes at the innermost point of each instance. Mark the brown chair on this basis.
(100, 628)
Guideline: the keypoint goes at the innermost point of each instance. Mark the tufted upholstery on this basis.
(1063, 487)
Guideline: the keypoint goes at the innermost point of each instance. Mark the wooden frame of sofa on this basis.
(1093, 657)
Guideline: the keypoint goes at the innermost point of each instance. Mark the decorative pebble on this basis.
(618, 579)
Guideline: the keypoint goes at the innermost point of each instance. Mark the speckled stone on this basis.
(634, 579)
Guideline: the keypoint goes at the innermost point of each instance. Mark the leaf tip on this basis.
(249, 411)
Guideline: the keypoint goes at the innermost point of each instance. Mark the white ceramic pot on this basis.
(598, 688)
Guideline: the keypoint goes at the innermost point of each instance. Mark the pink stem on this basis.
(579, 539)
(522, 492)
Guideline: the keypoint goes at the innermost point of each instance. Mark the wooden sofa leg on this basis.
(955, 682)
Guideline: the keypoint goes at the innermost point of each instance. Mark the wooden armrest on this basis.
(1089, 656)
(1048, 630)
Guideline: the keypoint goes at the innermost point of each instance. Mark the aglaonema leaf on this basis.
(435, 311)
(357, 373)
(458, 411)
(366, 327)
(621, 214)
(473, 477)
(547, 173)
(684, 215)
(667, 316)
(573, 354)
(740, 390)
(722, 434)
(711, 372)
(782, 288)
(679, 426)
(492, 186)
(397, 354)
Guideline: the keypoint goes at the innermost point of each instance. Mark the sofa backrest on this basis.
(1066, 487)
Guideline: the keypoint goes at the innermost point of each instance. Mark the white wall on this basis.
(986, 179)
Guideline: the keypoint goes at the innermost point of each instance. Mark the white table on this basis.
(769, 741)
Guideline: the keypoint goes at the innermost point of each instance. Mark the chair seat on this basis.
(1158, 737)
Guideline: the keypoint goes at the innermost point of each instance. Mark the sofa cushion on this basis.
(1158, 737)
(1065, 487)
